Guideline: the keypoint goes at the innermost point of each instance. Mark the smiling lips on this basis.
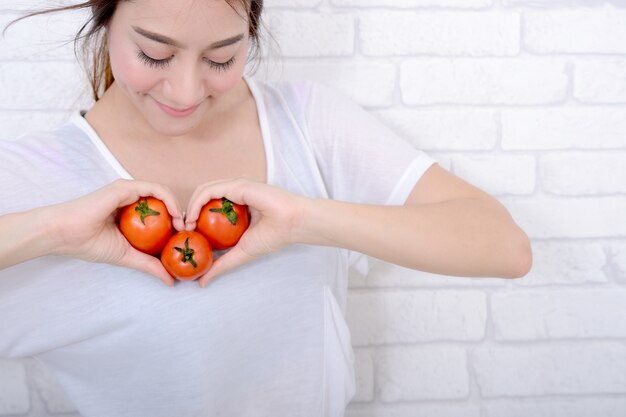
(175, 112)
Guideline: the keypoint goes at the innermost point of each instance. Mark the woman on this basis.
(178, 119)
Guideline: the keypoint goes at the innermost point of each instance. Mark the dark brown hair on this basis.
(92, 43)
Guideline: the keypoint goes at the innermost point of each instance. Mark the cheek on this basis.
(129, 71)
(225, 81)
(222, 83)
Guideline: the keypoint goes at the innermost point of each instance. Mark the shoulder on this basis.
(295, 92)
(35, 141)
(60, 143)
(50, 165)
(303, 101)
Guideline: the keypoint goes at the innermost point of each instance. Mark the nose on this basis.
(184, 87)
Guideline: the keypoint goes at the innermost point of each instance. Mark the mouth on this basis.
(177, 112)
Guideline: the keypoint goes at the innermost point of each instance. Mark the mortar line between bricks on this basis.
(557, 396)
(505, 345)
(415, 9)
(604, 285)
(356, 38)
(538, 107)
(528, 398)
(522, 57)
(472, 378)
(589, 342)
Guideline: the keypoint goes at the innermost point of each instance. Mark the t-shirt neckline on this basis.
(79, 120)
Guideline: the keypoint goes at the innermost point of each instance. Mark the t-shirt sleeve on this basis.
(360, 159)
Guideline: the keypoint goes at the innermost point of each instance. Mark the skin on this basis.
(446, 226)
(154, 146)
(85, 228)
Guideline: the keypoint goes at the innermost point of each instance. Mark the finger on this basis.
(202, 195)
(230, 260)
(147, 264)
(132, 190)
(233, 189)
(179, 222)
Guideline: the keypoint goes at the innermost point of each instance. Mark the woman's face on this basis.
(174, 60)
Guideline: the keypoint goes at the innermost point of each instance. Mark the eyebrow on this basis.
(169, 41)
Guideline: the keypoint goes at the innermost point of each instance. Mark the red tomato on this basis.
(146, 224)
(223, 222)
(187, 255)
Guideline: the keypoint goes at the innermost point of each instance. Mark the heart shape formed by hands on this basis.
(186, 255)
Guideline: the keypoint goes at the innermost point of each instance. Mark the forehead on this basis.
(185, 17)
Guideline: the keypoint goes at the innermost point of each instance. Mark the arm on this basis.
(446, 226)
(84, 228)
(25, 236)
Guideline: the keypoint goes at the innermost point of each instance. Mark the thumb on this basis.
(148, 264)
(233, 258)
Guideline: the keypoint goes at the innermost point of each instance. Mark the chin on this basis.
(167, 125)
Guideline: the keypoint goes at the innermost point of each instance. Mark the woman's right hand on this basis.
(86, 227)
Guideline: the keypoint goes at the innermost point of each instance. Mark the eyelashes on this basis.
(163, 63)
(221, 66)
(151, 62)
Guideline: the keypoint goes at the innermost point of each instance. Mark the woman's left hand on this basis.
(274, 215)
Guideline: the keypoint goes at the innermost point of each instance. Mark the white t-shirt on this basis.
(266, 339)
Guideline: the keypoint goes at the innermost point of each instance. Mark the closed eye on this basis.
(151, 62)
(221, 66)
(162, 63)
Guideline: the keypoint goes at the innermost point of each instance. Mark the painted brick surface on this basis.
(564, 128)
(368, 84)
(462, 4)
(600, 81)
(292, 31)
(457, 33)
(576, 31)
(411, 316)
(556, 369)
(545, 407)
(567, 263)
(498, 174)
(573, 217)
(565, 314)
(444, 130)
(364, 366)
(584, 173)
(422, 373)
(438, 81)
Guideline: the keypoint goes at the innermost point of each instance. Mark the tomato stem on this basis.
(145, 211)
(187, 253)
(227, 210)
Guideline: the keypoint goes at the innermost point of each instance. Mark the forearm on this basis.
(25, 235)
(462, 237)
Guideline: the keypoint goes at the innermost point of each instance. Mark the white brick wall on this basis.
(526, 99)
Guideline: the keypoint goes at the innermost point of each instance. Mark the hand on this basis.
(274, 213)
(87, 230)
